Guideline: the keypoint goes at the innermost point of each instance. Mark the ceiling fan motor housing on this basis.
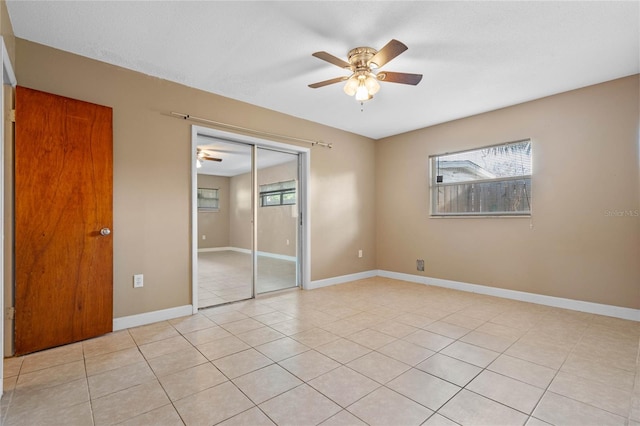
(359, 58)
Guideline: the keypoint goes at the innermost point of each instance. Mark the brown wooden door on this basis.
(63, 198)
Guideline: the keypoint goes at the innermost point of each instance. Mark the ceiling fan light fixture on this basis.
(198, 163)
(351, 86)
(371, 83)
(362, 94)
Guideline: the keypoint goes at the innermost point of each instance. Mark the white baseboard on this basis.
(278, 256)
(240, 250)
(557, 302)
(247, 251)
(211, 249)
(341, 279)
(151, 317)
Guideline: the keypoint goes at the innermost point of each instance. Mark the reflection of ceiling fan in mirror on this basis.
(205, 155)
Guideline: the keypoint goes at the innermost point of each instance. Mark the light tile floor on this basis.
(375, 351)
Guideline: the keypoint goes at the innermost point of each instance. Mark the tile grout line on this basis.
(158, 378)
(529, 415)
(86, 374)
(547, 390)
(474, 377)
(229, 380)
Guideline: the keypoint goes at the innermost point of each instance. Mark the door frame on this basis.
(304, 170)
(8, 78)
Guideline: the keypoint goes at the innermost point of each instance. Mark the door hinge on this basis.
(12, 115)
(10, 313)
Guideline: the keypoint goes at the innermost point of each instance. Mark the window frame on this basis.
(281, 192)
(434, 185)
(199, 198)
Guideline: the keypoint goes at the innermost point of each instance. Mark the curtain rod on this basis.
(244, 129)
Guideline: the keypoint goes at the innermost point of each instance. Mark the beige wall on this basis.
(6, 30)
(152, 174)
(276, 225)
(240, 218)
(585, 146)
(214, 225)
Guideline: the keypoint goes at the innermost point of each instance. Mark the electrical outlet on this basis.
(420, 265)
(287, 242)
(204, 237)
(138, 281)
(359, 253)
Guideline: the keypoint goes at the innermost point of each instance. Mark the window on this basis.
(208, 199)
(278, 194)
(490, 181)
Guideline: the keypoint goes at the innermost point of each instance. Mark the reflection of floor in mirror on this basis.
(225, 276)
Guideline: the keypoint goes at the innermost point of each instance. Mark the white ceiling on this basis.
(475, 56)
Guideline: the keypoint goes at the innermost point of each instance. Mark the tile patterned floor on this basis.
(375, 351)
(225, 276)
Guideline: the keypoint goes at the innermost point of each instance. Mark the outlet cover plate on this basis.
(138, 280)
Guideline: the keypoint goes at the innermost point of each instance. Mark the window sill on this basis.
(480, 216)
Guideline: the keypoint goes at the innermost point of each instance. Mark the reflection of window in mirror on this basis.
(278, 194)
(208, 199)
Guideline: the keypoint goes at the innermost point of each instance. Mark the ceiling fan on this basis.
(204, 154)
(363, 81)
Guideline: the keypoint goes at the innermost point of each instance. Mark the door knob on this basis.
(105, 231)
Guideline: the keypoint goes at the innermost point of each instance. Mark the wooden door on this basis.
(63, 199)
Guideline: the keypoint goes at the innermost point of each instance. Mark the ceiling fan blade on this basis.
(399, 77)
(332, 59)
(206, 157)
(388, 52)
(327, 82)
